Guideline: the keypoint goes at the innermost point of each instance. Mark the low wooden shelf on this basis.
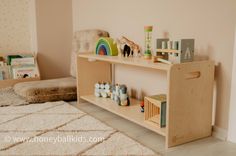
(189, 94)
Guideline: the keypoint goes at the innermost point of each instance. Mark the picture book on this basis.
(19, 72)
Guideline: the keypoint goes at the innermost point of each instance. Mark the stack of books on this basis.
(18, 67)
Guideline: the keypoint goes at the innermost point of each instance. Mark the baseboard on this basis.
(220, 133)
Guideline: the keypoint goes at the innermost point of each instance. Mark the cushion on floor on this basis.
(48, 90)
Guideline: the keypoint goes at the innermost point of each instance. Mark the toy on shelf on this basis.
(127, 47)
(120, 95)
(155, 110)
(142, 106)
(102, 90)
(148, 42)
(117, 92)
(141, 98)
(106, 46)
(174, 51)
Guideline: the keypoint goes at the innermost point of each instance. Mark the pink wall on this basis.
(210, 22)
(54, 30)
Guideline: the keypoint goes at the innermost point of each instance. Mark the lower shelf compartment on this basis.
(131, 113)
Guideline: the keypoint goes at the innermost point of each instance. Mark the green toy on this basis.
(148, 42)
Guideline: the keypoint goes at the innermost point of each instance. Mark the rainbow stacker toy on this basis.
(106, 46)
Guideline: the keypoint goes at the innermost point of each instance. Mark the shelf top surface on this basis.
(134, 61)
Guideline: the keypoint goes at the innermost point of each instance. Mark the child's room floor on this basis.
(204, 147)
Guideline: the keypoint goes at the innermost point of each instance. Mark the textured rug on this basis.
(8, 97)
(57, 128)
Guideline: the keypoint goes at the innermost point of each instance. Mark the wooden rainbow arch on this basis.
(106, 46)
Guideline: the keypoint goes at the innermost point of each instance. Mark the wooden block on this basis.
(155, 109)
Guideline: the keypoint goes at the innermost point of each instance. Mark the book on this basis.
(1, 75)
(19, 72)
(23, 61)
(11, 57)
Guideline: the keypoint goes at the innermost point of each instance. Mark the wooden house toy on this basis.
(155, 110)
(175, 51)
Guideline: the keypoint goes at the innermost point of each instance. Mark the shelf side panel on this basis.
(190, 102)
(89, 73)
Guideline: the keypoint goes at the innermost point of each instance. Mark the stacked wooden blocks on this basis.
(175, 51)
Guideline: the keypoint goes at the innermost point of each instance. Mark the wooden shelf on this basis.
(189, 94)
(134, 61)
(131, 113)
(168, 51)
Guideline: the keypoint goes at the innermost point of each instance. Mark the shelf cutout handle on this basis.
(192, 75)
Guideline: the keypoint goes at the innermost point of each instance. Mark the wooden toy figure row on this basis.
(166, 51)
(117, 92)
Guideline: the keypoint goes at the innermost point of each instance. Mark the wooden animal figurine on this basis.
(120, 95)
(127, 51)
(124, 98)
(127, 47)
(97, 91)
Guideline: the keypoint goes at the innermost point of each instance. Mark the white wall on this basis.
(232, 115)
(210, 22)
(17, 26)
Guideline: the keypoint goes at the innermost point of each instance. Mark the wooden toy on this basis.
(148, 43)
(142, 106)
(120, 95)
(126, 51)
(127, 47)
(124, 98)
(177, 51)
(102, 90)
(155, 110)
(106, 46)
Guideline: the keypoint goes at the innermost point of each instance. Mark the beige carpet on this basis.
(8, 97)
(57, 128)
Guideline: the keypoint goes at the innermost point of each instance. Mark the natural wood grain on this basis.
(190, 102)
